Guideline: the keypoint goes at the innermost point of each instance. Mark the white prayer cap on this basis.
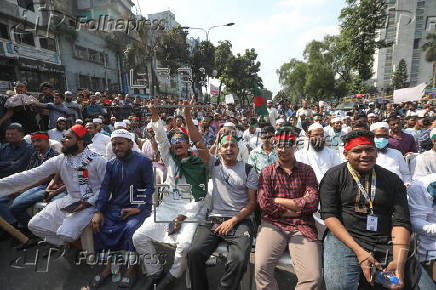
(195, 122)
(127, 121)
(149, 126)
(337, 119)
(413, 114)
(372, 115)
(97, 93)
(314, 126)
(321, 103)
(122, 133)
(371, 103)
(97, 120)
(79, 121)
(421, 114)
(229, 124)
(119, 124)
(280, 121)
(61, 119)
(269, 101)
(68, 93)
(378, 125)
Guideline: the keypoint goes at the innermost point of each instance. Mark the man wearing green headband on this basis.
(186, 186)
(233, 200)
(426, 161)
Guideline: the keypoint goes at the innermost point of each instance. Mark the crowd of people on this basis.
(350, 194)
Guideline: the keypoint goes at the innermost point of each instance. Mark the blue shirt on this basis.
(14, 159)
(135, 170)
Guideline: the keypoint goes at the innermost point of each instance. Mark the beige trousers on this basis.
(271, 242)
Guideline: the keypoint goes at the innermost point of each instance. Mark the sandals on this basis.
(97, 282)
(127, 282)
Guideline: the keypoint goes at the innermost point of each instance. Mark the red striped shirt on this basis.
(300, 185)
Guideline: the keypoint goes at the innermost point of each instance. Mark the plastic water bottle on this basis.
(116, 273)
(387, 279)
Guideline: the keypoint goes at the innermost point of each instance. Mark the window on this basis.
(4, 31)
(47, 43)
(95, 56)
(418, 34)
(419, 18)
(24, 37)
(84, 81)
(81, 52)
(420, 4)
(26, 4)
(419, 11)
(419, 25)
(416, 43)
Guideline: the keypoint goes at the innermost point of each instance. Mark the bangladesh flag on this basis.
(259, 103)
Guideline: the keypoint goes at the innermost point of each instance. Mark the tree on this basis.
(361, 21)
(292, 77)
(202, 63)
(172, 49)
(430, 53)
(223, 59)
(399, 77)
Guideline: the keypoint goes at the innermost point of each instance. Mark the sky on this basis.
(278, 29)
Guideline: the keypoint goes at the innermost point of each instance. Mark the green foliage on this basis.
(361, 20)
(399, 77)
(172, 49)
(430, 47)
(202, 57)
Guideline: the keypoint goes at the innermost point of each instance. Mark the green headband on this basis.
(228, 138)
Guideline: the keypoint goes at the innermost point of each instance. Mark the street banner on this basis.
(213, 90)
(229, 99)
(409, 94)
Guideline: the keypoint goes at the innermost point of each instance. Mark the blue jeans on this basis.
(5, 212)
(28, 199)
(341, 267)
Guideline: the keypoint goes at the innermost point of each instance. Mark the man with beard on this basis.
(186, 183)
(58, 132)
(403, 142)
(82, 172)
(118, 215)
(150, 150)
(273, 113)
(364, 207)
(333, 133)
(288, 196)
(75, 108)
(315, 154)
(389, 158)
(109, 152)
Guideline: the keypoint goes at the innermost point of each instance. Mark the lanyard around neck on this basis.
(369, 198)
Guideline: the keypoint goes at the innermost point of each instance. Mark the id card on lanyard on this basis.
(372, 219)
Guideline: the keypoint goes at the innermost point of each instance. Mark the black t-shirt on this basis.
(339, 196)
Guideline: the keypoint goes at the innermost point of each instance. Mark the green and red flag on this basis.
(259, 103)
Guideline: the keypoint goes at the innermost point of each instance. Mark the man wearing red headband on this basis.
(36, 192)
(82, 172)
(364, 207)
(288, 197)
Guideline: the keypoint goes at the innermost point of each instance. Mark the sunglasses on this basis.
(177, 140)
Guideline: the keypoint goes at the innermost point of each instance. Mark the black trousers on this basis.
(204, 244)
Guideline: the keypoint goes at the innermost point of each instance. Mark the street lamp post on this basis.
(207, 39)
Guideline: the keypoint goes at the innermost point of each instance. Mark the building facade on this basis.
(28, 51)
(408, 23)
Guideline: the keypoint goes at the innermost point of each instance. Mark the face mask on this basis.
(381, 143)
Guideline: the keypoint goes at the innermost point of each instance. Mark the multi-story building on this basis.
(28, 51)
(408, 23)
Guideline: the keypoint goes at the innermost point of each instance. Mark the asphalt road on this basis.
(18, 271)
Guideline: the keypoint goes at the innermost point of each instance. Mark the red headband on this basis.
(38, 136)
(361, 140)
(79, 130)
(285, 137)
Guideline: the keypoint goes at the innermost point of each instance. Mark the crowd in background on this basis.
(341, 189)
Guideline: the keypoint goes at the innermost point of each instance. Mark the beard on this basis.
(70, 150)
(317, 144)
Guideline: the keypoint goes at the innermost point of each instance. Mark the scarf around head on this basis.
(196, 174)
